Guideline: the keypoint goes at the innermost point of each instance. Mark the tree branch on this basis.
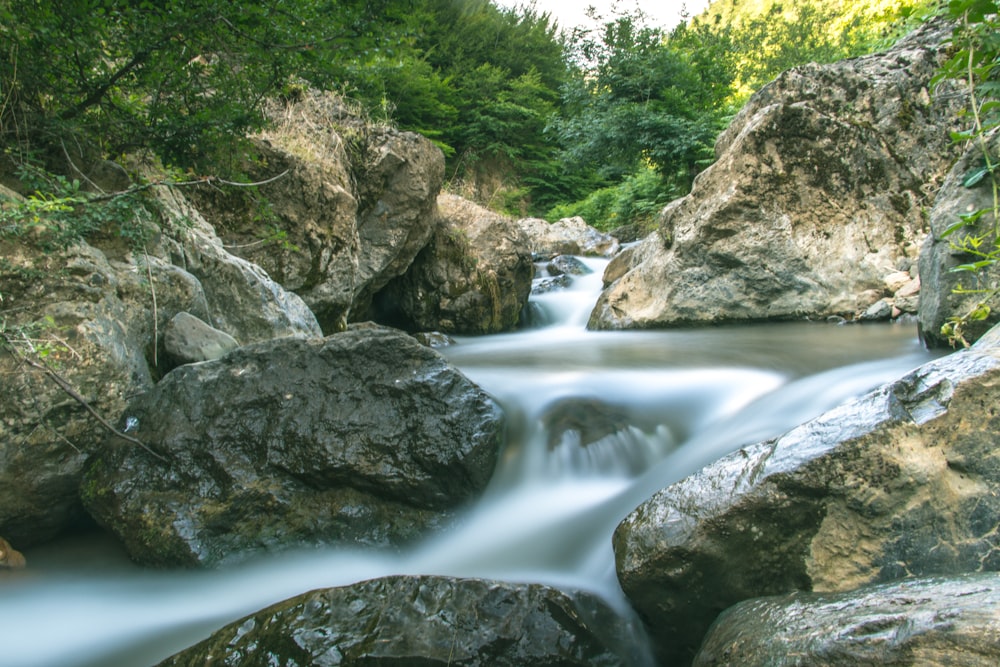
(64, 384)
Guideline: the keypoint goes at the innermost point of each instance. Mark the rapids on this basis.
(679, 400)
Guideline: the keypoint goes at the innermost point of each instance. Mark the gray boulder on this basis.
(473, 277)
(241, 298)
(816, 195)
(427, 621)
(935, 621)
(569, 236)
(902, 482)
(91, 322)
(365, 437)
(188, 339)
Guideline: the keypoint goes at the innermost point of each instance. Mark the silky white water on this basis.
(677, 399)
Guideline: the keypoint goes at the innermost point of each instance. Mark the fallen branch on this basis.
(64, 384)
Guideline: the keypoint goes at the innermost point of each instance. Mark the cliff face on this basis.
(815, 198)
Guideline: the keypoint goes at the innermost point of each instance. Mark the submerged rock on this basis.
(427, 621)
(365, 437)
(902, 482)
(936, 621)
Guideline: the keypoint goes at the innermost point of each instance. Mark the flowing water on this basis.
(598, 422)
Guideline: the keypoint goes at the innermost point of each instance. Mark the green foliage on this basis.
(759, 39)
(975, 62)
(183, 77)
(39, 338)
(636, 200)
(58, 213)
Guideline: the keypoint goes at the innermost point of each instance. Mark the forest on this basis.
(609, 120)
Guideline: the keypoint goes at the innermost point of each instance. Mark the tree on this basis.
(636, 101)
(180, 76)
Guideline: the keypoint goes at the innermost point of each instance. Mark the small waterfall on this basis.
(598, 422)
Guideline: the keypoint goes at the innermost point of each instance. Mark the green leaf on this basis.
(975, 177)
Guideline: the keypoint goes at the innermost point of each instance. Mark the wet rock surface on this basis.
(936, 621)
(427, 621)
(365, 437)
(902, 482)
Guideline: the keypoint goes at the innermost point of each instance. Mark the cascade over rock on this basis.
(815, 197)
(902, 482)
(425, 620)
(473, 277)
(365, 437)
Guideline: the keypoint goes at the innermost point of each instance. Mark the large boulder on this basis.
(241, 298)
(76, 322)
(365, 437)
(343, 206)
(935, 621)
(902, 482)
(942, 252)
(474, 277)
(409, 620)
(815, 197)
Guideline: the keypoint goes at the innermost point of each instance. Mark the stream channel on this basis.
(661, 405)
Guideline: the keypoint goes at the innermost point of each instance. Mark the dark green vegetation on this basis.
(609, 121)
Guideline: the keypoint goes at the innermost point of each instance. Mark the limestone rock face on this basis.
(939, 255)
(902, 482)
(935, 621)
(473, 277)
(427, 621)
(815, 197)
(348, 206)
(365, 437)
(241, 298)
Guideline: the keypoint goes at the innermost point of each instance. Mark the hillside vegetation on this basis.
(608, 121)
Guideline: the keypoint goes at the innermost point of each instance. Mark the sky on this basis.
(570, 13)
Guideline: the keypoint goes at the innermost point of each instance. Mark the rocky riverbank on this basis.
(219, 395)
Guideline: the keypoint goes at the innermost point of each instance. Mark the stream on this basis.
(659, 405)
